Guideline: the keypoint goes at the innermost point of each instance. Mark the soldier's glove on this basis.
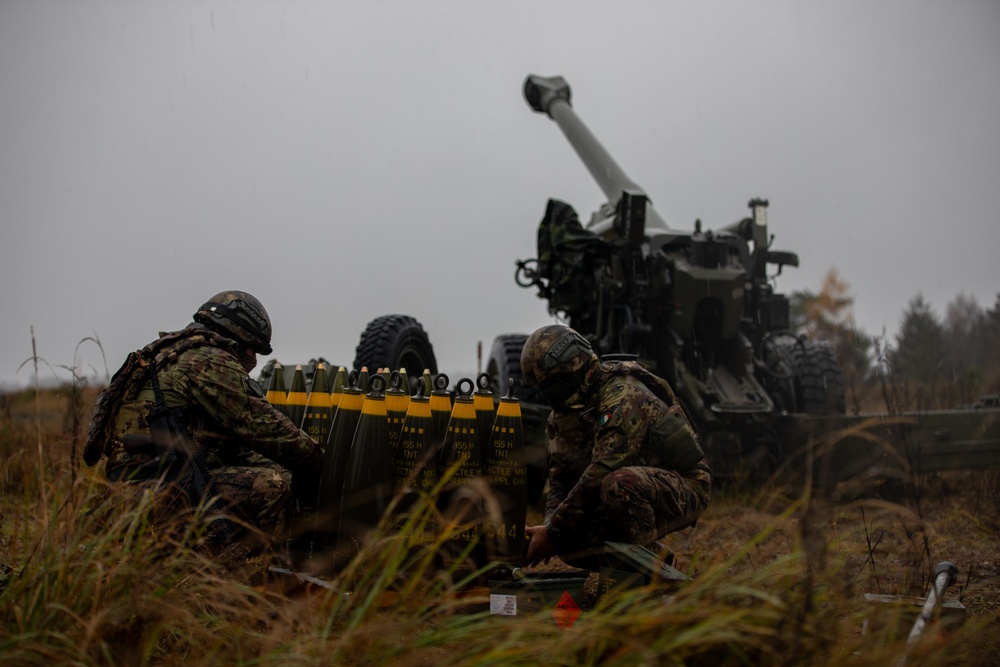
(541, 547)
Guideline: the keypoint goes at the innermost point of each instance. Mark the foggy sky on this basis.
(345, 160)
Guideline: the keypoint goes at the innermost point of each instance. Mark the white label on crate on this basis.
(504, 605)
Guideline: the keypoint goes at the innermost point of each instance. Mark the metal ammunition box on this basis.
(558, 594)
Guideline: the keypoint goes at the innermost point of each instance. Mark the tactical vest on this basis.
(672, 436)
(120, 401)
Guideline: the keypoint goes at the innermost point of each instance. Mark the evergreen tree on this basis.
(917, 362)
(991, 384)
(966, 342)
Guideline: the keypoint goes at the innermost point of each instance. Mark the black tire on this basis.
(395, 341)
(819, 384)
(776, 371)
(504, 366)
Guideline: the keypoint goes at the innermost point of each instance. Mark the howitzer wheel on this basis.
(505, 365)
(395, 341)
(778, 372)
(819, 384)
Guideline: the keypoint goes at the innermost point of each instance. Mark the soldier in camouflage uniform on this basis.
(624, 462)
(246, 445)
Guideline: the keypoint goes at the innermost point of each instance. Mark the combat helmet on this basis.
(238, 315)
(560, 362)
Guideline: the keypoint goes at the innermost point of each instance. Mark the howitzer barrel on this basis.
(551, 96)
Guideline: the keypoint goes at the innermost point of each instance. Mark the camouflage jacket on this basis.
(631, 418)
(225, 413)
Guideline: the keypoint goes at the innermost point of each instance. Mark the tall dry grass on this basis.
(94, 582)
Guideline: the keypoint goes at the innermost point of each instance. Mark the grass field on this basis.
(779, 577)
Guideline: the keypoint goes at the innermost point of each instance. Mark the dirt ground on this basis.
(868, 538)
(879, 539)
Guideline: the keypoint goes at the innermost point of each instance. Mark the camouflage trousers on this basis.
(258, 495)
(254, 499)
(638, 505)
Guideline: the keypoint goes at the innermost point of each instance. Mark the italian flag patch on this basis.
(605, 418)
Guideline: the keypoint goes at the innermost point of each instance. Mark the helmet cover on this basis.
(557, 359)
(238, 315)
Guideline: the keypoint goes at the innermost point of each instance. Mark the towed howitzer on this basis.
(696, 307)
(699, 309)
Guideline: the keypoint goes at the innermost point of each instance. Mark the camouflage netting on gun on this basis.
(565, 252)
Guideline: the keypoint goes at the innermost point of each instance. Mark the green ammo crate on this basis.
(633, 566)
(557, 593)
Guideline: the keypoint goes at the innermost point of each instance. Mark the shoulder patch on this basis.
(604, 419)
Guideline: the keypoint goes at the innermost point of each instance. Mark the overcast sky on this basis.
(345, 160)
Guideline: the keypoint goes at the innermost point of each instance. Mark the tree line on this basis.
(931, 363)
